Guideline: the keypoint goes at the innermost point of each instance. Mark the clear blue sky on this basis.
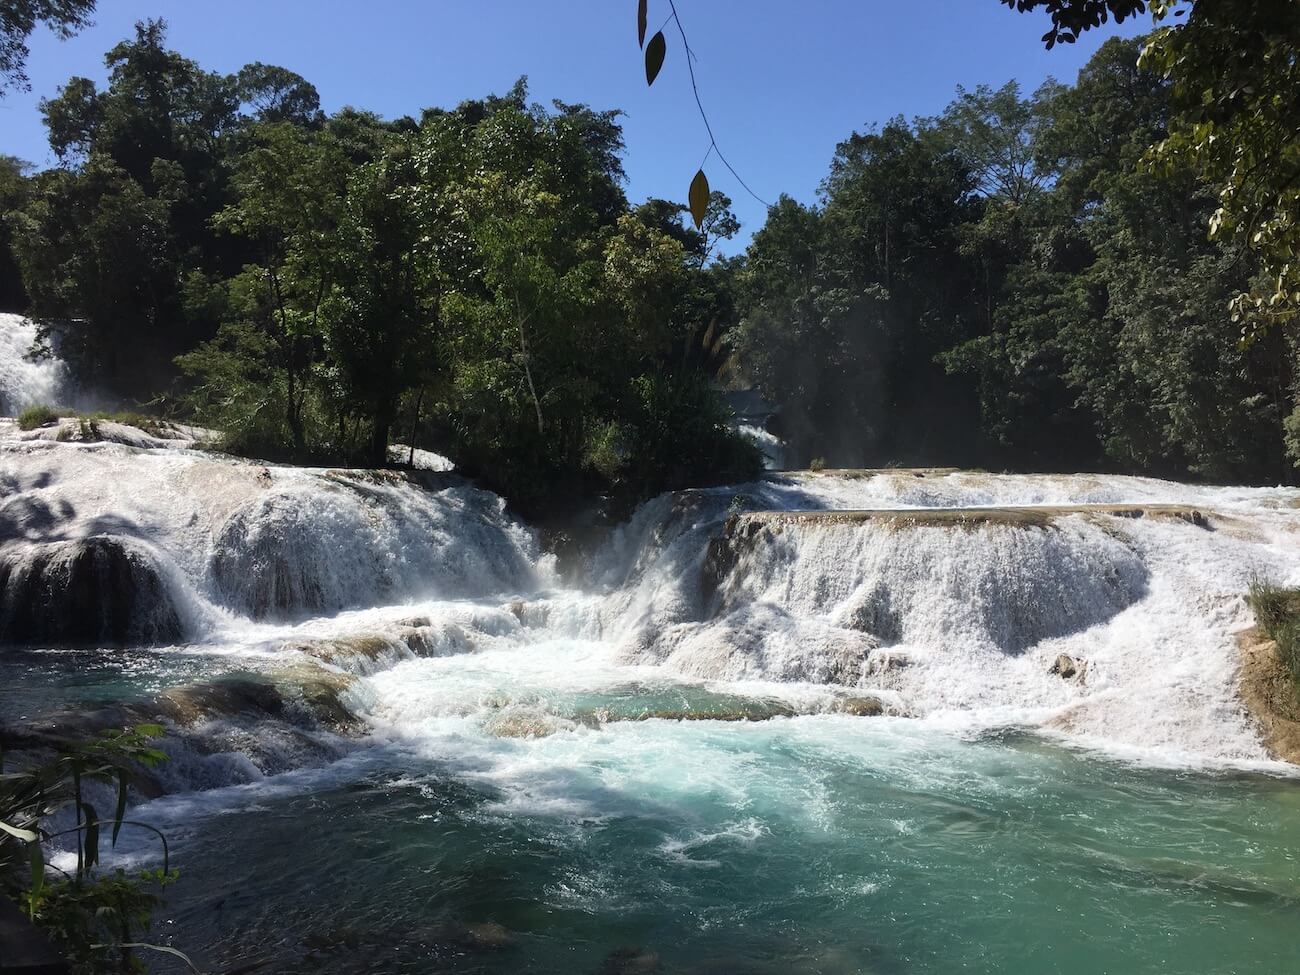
(782, 80)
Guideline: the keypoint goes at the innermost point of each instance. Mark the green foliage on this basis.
(327, 273)
(1235, 84)
(18, 18)
(37, 415)
(1019, 244)
(1277, 611)
(1070, 18)
(672, 432)
(844, 307)
(96, 919)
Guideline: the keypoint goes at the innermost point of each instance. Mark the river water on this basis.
(670, 760)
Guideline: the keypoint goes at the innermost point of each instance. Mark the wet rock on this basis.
(875, 614)
(739, 535)
(98, 590)
(862, 707)
(842, 663)
(530, 614)
(489, 934)
(414, 622)
(887, 662)
(1269, 692)
(731, 709)
(1067, 667)
(522, 722)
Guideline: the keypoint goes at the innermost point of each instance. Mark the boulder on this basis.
(99, 590)
(861, 707)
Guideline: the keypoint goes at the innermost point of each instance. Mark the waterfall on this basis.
(23, 381)
(937, 596)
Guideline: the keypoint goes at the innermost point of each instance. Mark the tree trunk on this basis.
(528, 370)
(379, 433)
(415, 426)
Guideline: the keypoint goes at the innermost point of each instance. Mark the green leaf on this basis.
(641, 14)
(92, 835)
(38, 871)
(655, 53)
(121, 804)
(699, 199)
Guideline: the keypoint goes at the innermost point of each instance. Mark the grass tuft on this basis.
(1277, 610)
(41, 415)
(37, 415)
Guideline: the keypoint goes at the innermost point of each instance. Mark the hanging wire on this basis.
(695, 88)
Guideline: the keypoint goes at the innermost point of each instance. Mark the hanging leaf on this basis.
(655, 52)
(37, 860)
(699, 199)
(120, 811)
(92, 835)
(641, 14)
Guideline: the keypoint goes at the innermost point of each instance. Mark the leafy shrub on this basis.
(672, 432)
(96, 919)
(817, 464)
(37, 415)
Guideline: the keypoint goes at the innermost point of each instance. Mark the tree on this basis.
(381, 316)
(995, 133)
(13, 194)
(1105, 338)
(19, 18)
(289, 198)
(1236, 86)
(98, 260)
(277, 94)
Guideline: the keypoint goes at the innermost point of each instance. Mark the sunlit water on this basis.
(814, 843)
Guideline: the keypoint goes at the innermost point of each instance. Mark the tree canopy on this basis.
(19, 18)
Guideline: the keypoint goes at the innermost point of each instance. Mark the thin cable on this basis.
(695, 88)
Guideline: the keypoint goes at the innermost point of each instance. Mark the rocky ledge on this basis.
(1270, 694)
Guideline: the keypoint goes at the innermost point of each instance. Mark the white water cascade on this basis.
(944, 595)
(24, 381)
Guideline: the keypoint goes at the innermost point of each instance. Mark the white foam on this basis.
(25, 381)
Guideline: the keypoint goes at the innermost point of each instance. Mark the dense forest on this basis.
(1006, 285)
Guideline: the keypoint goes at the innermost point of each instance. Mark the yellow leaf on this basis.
(699, 199)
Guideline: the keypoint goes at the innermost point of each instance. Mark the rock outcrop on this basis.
(97, 590)
(1270, 694)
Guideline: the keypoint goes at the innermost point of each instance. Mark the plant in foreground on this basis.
(1277, 610)
(96, 919)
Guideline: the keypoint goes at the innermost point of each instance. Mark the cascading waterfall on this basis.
(776, 685)
(25, 381)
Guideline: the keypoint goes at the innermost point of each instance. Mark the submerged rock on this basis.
(97, 590)
(630, 961)
(522, 721)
